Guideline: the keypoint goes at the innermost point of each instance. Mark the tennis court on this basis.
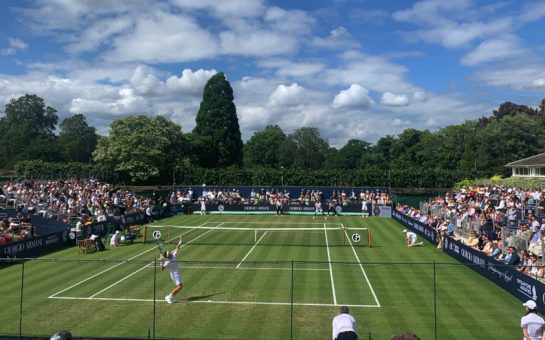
(262, 277)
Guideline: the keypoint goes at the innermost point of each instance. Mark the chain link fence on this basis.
(251, 300)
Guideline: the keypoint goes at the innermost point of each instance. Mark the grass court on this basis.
(258, 277)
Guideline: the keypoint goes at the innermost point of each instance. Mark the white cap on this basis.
(404, 230)
(530, 304)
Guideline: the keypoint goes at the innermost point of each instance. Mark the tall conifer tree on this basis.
(216, 137)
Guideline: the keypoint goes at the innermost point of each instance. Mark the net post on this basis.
(369, 238)
(169, 233)
(291, 305)
(154, 297)
(434, 302)
(145, 234)
(255, 235)
(21, 302)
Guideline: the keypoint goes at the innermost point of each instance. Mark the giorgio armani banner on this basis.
(518, 284)
(374, 210)
(37, 245)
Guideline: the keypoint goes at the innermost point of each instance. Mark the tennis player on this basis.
(169, 261)
(411, 239)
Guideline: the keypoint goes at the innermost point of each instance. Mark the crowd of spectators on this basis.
(272, 195)
(506, 223)
(75, 202)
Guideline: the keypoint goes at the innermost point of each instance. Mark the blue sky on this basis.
(352, 68)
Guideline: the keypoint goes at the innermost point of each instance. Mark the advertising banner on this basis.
(34, 246)
(37, 245)
(374, 210)
(518, 284)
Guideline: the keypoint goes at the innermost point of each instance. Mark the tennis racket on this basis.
(160, 246)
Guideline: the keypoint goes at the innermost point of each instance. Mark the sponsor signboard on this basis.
(37, 245)
(355, 208)
(518, 284)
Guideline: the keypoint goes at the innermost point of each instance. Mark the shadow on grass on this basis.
(199, 297)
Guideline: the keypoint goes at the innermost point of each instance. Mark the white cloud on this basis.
(495, 49)
(287, 95)
(533, 11)
(287, 68)
(232, 8)
(514, 75)
(372, 72)
(163, 37)
(338, 38)
(450, 23)
(127, 102)
(99, 33)
(144, 82)
(355, 97)
(539, 83)
(390, 99)
(14, 45)
(47, 15)
(258, 43)
(189, 82)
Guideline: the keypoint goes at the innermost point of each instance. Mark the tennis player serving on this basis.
(168, 260)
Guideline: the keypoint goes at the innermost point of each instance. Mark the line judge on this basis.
(344, 326)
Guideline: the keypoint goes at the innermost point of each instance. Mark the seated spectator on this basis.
(494, 251)
(524, 261)
(473, 241)
(512, 258)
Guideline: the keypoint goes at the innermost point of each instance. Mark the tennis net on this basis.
(339, 235)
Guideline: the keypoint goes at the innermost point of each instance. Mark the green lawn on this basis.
(288, 285)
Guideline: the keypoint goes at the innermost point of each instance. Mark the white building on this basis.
(529, 167)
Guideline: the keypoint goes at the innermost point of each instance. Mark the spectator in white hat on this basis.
(532, 324)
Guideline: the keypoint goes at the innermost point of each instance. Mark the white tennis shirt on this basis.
(171, 264)
(535, 325)
(343, 323)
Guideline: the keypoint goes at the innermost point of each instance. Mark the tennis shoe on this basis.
(168, 299)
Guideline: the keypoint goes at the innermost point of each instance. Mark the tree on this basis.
(503, 141)
(310, 149)
(381, 155)
(216, 136)
(510, 109)
(27, 131)
(143, 148)
(444, 148)
(77, 140)
(406, 148)
(263, 148)
(351, 153)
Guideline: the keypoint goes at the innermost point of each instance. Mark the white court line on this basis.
(252, 268)
(261, 222)
(238, 265)
(113, 284)
(126, 277)
(330, 269)
(362, 270)
(117, 265)
(220, 302)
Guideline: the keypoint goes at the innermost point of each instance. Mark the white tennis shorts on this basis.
(176, 277)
